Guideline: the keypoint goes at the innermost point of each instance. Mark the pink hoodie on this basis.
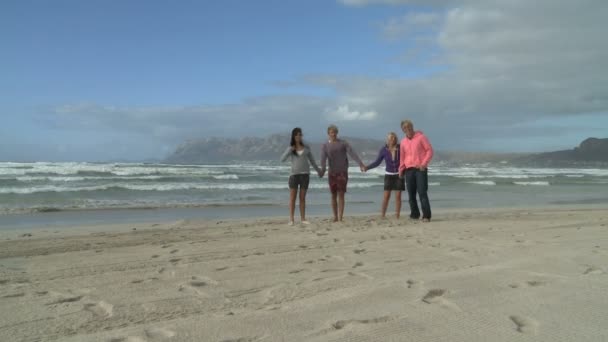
(415, 152)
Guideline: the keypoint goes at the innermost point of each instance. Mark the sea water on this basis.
(245, 189)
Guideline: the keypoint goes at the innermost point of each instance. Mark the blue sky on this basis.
(105, 80)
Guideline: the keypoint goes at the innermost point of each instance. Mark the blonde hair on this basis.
(392, 134)
(407, 123)
(332, 128)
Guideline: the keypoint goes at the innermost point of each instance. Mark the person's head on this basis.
(296, 136)
(408, 128)
(391, 139)
(332, 132)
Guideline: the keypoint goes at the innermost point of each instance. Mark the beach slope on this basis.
(488, 275)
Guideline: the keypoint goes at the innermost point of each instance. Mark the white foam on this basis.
(483, 183)
(532, 183)
(226, 177)
(172, 187)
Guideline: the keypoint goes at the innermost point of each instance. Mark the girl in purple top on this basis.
(392, 182)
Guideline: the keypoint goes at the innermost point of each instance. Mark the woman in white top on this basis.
(299, 177)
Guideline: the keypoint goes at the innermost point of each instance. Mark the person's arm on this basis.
(323, 160)
(351, 152)
(401, 159)
(428, 152)
(311, 158)
(286, 153)
(377, 161)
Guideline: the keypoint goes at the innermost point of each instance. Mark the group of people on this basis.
(406, 166)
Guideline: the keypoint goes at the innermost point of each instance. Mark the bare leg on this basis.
(398, 204)
(292, 203)
(341, 204)
(303, 204)
(334, 205)
(387, 197)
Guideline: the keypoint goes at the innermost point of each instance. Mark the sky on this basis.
(102, 80)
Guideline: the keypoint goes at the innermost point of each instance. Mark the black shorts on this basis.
(394, 183)
(300, 181)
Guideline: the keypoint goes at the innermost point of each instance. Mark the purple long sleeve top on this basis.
(392, 165)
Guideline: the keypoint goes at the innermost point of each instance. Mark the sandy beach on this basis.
(483, 275)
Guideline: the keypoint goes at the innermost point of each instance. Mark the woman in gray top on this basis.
(300, 155)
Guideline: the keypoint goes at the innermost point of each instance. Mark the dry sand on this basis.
(491, 275)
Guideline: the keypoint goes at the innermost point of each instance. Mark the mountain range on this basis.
(590, 152)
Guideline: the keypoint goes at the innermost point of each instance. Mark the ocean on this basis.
(260, 188)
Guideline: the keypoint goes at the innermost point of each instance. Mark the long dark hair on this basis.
(295, 132)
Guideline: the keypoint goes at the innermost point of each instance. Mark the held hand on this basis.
(422, 168)
(363, 168)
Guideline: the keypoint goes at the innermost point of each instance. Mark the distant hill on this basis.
(218, 150)
(592, 152)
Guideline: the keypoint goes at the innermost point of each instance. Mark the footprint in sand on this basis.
(535, 283)
(359, 251)
(524, 324)
(339, 325)
(62, 300)
(160, 334)
(196, 284)
(201, 281)
(435, 296)
(359, 274)
(174, 251)
(222, 268)
(127, 339)
(358, 264)
(14, 295)
(593, 270)
(529, 283)
(414, 284)
(243, 339)
(100, 309)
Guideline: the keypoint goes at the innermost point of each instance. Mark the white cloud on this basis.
(252, 117)
(517, 61)
(345, 113)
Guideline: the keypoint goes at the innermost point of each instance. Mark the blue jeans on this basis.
(418, 182)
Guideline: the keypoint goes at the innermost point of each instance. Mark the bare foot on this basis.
(425, 220)
(305, 222)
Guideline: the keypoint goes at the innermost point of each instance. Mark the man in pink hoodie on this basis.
(416, 153)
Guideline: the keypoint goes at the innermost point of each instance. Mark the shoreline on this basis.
(63, 219)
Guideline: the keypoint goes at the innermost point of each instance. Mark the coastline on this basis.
(504, 274)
